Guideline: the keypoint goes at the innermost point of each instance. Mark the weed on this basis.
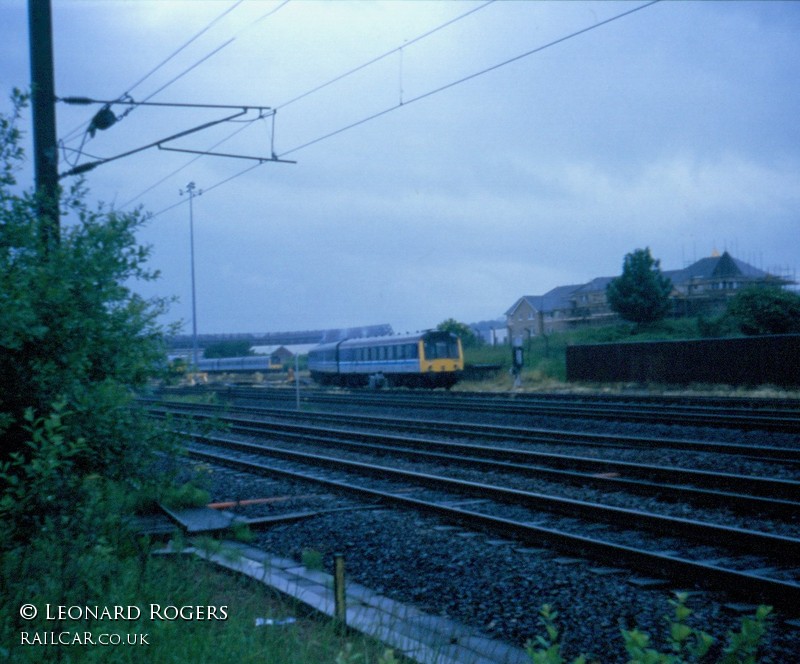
(687, 644)
(312, 559)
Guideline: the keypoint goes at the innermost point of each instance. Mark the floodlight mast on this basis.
(192, 191)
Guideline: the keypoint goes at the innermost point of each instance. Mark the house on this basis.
(704, 287)
(533, 315)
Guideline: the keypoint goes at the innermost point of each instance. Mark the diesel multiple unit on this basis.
(424, 359)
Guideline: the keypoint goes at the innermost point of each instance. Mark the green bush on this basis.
(74, 345)
(687, 644)
(765, 310)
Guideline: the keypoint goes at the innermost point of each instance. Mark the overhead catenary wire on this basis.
(161, 64)
(180, 168)
(469, 77)
(317, 88)
(216, 50)
(182, 47)
(385, 55)
(183, 73)
(434, 91)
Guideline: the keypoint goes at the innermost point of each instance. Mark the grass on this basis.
(546, 366)
(295, 637)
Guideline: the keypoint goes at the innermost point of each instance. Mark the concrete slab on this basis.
(311, 574)
(201, 519)
(432, 630)
(424, 638)
(495, 651)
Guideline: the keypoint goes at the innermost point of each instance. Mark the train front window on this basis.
(439, 348)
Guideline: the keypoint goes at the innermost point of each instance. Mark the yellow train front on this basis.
(425, 359)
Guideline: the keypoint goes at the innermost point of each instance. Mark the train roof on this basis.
(389, 340)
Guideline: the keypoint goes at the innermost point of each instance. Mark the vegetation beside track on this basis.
(545, 366)
(260, 625)
(545, 355)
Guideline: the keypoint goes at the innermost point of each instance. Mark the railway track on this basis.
(484, 432)
(746, 493)
(738, 413)
(741, 561)
(738, 561)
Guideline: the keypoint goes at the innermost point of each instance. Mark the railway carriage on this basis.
(425, 359)
(250, 363)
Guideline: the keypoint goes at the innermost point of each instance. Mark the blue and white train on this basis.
(425, 359)
(248, 364)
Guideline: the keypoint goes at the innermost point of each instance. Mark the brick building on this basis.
(704, 287)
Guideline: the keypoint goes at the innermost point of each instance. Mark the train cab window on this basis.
(437, 349)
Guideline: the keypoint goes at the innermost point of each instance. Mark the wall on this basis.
(766, 360)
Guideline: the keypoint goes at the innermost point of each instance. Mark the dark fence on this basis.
(767, 360)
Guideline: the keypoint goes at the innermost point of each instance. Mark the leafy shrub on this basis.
(765, 310)
(687, 644)
(74, 345)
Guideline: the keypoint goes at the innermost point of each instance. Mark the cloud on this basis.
(674, 128)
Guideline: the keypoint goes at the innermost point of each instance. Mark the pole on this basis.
(340, 606)
(45, 147)
(297, 378)
(190, 190)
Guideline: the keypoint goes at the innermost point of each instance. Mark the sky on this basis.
(518, 147)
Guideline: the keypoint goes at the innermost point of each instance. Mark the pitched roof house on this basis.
(702, 287)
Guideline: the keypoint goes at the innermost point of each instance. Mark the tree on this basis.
(641, 293)
(75, 343)
(463, 331)
(765, 310)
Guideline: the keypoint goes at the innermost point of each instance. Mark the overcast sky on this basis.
(675, 127)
